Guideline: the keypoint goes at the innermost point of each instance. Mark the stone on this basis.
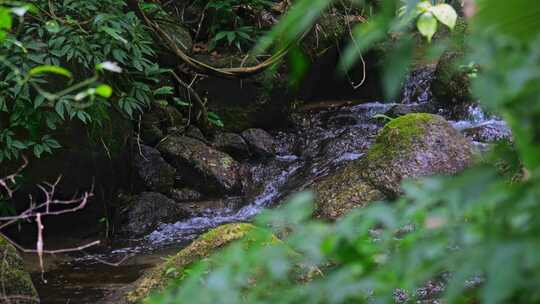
(412, 146)
(185, 195)
(206, 207)
(194, 132)
(154, 172)
(342, 191)
(144, 212)
(404, 109)
(158, 278)
(150, 131)
(451, 85)
(233, 144)
(17, 286)
(260, 142)
(201, 166)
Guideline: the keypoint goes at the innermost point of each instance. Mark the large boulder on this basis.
(154, 172)
(17, 286)
(342, 191)
(202, 166)
(158, 278)
(411, 146)
(144, 212)
(232, 144)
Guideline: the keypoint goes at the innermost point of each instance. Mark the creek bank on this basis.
(17, 286)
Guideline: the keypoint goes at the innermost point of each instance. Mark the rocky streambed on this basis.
(350, 153)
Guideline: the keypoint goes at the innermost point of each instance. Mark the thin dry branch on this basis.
(50, 207)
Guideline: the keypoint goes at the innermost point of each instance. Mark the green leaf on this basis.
(164, 91)
(445, 14)
(52, 26)
(427, 25)
(114, 34)
(38, 150)
(104, 90)
(50, 69)
(5, 19)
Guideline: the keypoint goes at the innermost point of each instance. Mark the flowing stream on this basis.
(323, 140)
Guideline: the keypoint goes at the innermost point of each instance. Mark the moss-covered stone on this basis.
(202, 166)
(412, 146)
(158, 278)
(338, 193)
(451, 85)
(17, 286)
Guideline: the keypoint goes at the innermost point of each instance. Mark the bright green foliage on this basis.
(481, 226)
(61, 43)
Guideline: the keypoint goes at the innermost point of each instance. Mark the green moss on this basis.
(15, 280)
(398, 135)
(208, 243)
(337, 194)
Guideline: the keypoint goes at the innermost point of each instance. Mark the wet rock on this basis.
(144, 212)
(491, 131)
(185, 195)
(260, 142)
(412, 146)
(233, 144)
(209, 207)
(150, 131)
(451, 85)
(404, 109)
(161, 120)
(342, 191)
(201, 166)
(17, 286)
(158, 278)
(154, 172)
(417, 86)
(194, 132)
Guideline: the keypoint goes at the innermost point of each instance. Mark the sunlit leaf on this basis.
(52, 69)
(427, 25)
(445, 14)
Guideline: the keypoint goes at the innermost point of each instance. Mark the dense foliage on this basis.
(476, 233)
(77, 36)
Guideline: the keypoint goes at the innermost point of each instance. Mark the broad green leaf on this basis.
(114, 34)
(427, 25)
(445, 14)
(52, 69)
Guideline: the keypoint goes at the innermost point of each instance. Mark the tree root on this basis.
(201, 67)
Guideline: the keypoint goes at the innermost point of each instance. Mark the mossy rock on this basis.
(451, 85)
(202, 166)
(17, 286)
(342, 191)
(158, 278)
(329, 30)
(411, 146)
